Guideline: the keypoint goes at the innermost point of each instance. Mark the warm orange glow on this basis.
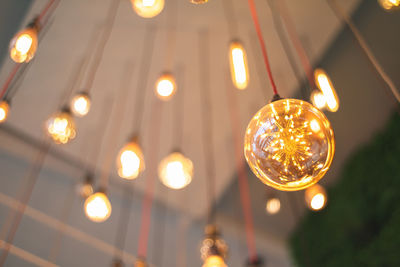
(148, 8)
(238, 65)
(61, 127)
(273, 206)
(198, 1)
(4, 110)
(324, 83)
(175, 171)
(140, 263)
(130, 161)
(318, 99)
(80, 104)
(98, 207)
(24, 44)
(390, 4)
(165, 87)
(316, 197)
(289, 144)
(214, 261)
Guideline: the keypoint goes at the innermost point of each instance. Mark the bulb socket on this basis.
(276, 97)
(34, 24)
(257, 262)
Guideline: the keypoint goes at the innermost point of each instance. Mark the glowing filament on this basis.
(390, 4)
(98, 207)
(325, 85)
(61, 127)
(316, 197)
(147, 8)
(238, 63)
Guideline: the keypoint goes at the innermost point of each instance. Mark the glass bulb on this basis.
(175, 171)
(316, 197)
(198, 1)
(324, 83)
(289, 144)
(238, 65)
(273, 206)
(98, 207)
(165, 87)
(4, 110)
(80, 104)
(214, 261)
(130, 161)
(318, 99)
(148, 8)
(24, 44)
(390, 5)
(61, 127)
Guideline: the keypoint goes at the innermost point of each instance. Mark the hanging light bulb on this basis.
(198, 1)
(140, 263)
(61, 127)
(273, 205)
(238, 65)
(318, 99)
(214, 261)
(98, 207)
(80, 104)
(4, 110)
(85, 189)
(289, 144)
(165, 86)
(324, 83)
(316, 197)
(148, 8)
(24, 44)
(213, 249)
(175, 171)
(390, 5)
(130, 160)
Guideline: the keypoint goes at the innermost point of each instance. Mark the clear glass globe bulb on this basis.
(4, 110)
(130, 161)
(80, 104)
(390, 5)
(61, 127)
(24, 44)
(98, 207)
(273, 206)
(165, 87)
(214, 261)
(147, 8)
(289, 144)
(175, 171)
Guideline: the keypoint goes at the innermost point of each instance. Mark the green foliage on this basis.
(361, 224)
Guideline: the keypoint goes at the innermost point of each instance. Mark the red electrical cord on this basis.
(46, 9)
(253, 11)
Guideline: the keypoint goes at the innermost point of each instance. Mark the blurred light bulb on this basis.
(130, 161)
(198, 1)
(390, 5)
(61, 127)
(316, 197)
(165, 87)
(324, 83)
(214, 261)
(4, 110)
(282, 148)
(273, 205)
(175, 171)
(24, 44)
(318, 99)
(238, 65)
(140, 263)
(80, 104)
(148, 8)
(98, 207)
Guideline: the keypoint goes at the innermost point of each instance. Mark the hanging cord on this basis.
(98, 56)
(342, 16)
(241, 170)
(253, 11)
(229, 12)
(47, 11)
(177, 131)
(172, 21)
(17, 81)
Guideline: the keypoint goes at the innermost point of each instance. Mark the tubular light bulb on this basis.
(289, 144)
(214, 261)
(80, 104)
(198, 1)
(61, 127)
(318, 99)
(390, 5)
(175, 171)
(24, 44)
(98, 207)
(316, 197)
(4, 110)
(130, 161)
(148, 8)
(324, 83)
(165, 87)
(273, 206)
(238, 65)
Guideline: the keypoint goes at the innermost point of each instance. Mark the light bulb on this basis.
(273, 206)
(238, 65)
(165, 86)
(140, 263)
(318, 99)
(324, 83)
(390, 5)
(24, 44)
(214, 261)
(4, 110)
(80, 104)
(130, 161)
(148, 8)
(316, 197)
(175, 171)
(198, 1)
(98, 207)
(289, 144)
(61, 127)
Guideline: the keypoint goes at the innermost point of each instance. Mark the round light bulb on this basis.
(98, 207)
(4, 110)
(61, 127)
(390, 5)
(198, 1)
(238, 65)
(325, 84)
(130, 161)
(284, 147)
(214, 261)
(273, 206)
(316, 197)
(24, 44)
(148, 8)
(175, 171)
(165, 87)
(80, 104)
(318, 99)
